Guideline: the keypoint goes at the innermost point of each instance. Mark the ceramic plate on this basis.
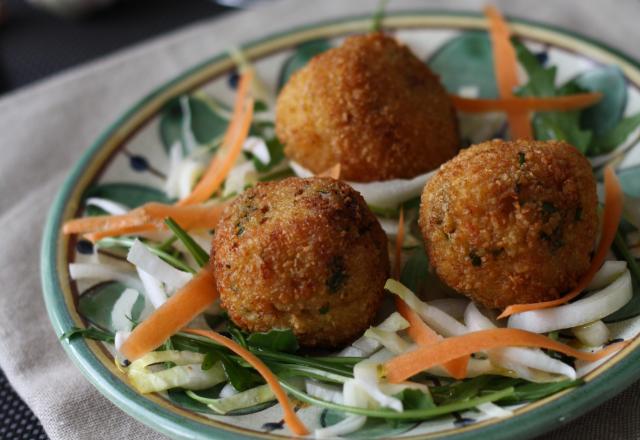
(128, 163)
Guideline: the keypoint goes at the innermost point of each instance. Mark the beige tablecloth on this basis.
(45, 127)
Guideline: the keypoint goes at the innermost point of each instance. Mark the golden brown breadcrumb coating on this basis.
(304, 254)
(370, 105)
(511, 222)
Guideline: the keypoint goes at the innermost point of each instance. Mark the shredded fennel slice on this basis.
(228, 390)
(173, 173)
(140, 256)
(383, 194)
(493, 410)
(102, 272)
(239, 177)
(153, 288)
(330, 393)
(390, 340)
(245, 399)
(353, 395)
(591, 308)
(593, 334)
(528, 363)
(119, 338)
(258, 148)
(189, 171)
(186, 374)
(366, 375)
(121, 311)
(440, 321)
(188, 138)
(365, 346)
(608, 273)
(109, 206)
(349, 424)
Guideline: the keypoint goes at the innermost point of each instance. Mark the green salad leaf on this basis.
(241, 378)
(551, 125)
(277, 340)
(89, 333)
(415, 399)
(596, 130)
(415, 272)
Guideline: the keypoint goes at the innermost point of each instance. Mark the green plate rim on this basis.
(537, 421)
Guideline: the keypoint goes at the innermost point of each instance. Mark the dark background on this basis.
(35, 44)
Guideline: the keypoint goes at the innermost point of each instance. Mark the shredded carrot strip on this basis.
(146, 218)
(399, 242)
(528, 103)
(613, 205)
(94, 237)
(171, 316)
(103, 222)
(402, 367)
(241, 94)
(424, 336)
(418, 330)
(290, 416)
(224, 160)
(333, 172)
(506, 69)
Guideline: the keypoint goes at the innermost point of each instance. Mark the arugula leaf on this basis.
(260, 106)
(240, 378)
(200, 255)
(617, 135)
(416, 270)
(236, 334)
(551, 125)
(282, 340)
(213, 321)
(276, 155)
(89, 333)
(415, 399)
(536, 391)
(210, 358)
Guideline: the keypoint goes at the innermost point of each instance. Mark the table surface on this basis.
(34, 45)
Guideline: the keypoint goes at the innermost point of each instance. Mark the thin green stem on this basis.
(411, 414)
(200, 255)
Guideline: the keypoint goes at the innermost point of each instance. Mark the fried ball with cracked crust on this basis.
(304, 254)
(370, 105)
(511, 222)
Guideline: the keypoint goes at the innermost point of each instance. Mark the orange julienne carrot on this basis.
(527, 103)
(418, 330)
(231, 148)
(170, 317)
(505, 65)
(333, 172)
(94, 237)
(613, 205)
(146, 218)
(290, 416)
(423, 335)
(404, 366)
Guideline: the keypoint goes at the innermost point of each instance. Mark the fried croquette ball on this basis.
(371, 106)
(303, 254)
(511, 222)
